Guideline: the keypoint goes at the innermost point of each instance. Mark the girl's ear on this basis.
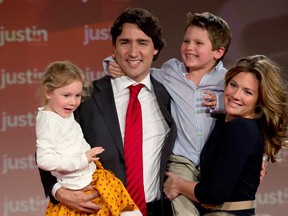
(47, 93)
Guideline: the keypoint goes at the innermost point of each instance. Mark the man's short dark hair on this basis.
(147, 22)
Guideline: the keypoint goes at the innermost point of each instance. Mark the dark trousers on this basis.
(156, 209)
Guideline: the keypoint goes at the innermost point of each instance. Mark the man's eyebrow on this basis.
(123, 39)
(142, 40)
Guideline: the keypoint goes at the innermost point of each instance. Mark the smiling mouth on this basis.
(233, 103)
(191, 56)
(134, 62)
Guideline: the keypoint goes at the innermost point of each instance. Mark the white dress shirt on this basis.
(155, 129)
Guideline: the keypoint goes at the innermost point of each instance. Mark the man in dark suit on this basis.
(137, 41)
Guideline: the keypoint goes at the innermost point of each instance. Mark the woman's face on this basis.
(241, 96)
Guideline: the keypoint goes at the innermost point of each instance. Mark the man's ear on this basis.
(114, 48)
(155, 52)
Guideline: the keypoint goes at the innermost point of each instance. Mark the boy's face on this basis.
(196, 50)
(134, 52)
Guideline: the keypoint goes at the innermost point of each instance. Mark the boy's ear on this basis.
(218, 53)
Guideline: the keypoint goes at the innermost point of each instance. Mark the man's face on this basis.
(134, 52)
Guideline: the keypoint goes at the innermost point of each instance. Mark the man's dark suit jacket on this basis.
(99, 122)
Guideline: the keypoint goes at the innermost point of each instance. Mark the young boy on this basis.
(196, 87)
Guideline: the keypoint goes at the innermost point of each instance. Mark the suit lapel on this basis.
(104, 99)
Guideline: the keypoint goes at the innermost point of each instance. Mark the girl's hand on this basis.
(93, 152)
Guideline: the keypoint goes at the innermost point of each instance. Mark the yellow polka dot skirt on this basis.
(113, 198)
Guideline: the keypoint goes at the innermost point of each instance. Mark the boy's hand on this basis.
(93, 152)
(114, 70)
(209, 99)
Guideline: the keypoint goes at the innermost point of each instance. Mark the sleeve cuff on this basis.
(54, 189)
(105, 64)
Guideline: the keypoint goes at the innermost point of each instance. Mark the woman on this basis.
(255, 123)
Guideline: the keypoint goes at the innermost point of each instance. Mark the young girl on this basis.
(62, 149)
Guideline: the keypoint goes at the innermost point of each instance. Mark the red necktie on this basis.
(133, 149)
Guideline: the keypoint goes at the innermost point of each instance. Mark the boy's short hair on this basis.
(218, 30)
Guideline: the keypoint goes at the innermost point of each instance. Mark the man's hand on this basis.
(78, 199)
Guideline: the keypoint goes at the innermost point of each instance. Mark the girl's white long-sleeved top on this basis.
(61, 148)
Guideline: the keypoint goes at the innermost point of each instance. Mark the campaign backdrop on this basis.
(34, 33)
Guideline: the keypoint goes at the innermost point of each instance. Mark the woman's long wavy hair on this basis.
(272, 107)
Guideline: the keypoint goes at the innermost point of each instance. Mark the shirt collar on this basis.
(218, 67)
(124, 82)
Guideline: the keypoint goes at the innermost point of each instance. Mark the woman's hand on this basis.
(171, 186)
(176, 185)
